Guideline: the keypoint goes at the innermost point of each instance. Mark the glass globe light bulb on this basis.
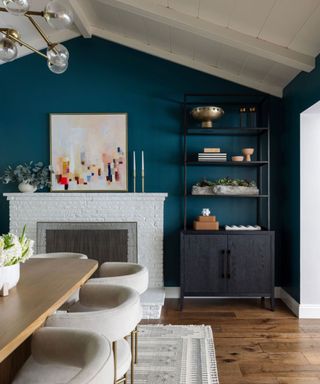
(58, 69)
(8, 49)
(16, 7)
(58, 54)
(57, 15)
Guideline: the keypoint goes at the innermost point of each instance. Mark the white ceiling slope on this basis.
(262, 44)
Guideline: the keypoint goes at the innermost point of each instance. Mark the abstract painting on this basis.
(89, 152)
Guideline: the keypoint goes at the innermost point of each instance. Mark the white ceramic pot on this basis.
(26, 188)
(10, 275)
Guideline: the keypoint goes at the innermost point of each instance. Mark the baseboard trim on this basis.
(172, 292)
(309, 311)
(288, 300)
(301, 311)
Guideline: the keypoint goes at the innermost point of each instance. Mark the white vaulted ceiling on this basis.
(262, 44)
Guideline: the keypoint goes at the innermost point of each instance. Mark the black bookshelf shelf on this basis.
(227, 131)
(227, 163)
(232, 196)
(235, 136)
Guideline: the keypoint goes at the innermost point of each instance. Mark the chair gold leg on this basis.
(132, 357)
(136, 345)
(114, 348)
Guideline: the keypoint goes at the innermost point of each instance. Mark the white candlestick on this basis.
(142, 160)
(142, 170)
(134, 171)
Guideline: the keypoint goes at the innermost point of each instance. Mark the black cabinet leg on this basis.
(181, 303)
(272, 303)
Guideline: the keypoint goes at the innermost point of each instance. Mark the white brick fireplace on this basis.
(146, 209)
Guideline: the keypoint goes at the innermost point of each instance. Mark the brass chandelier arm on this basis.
(27, 46)
(40, 31)
(29, 13)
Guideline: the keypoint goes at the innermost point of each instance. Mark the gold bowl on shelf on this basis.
(207, 115)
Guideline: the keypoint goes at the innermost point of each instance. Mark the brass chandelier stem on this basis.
(40, 31)
(29, 13)
(17, 40)
(56, 54)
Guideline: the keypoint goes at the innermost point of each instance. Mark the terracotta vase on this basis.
(247, 152)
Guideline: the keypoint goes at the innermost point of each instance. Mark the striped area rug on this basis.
(176, 354)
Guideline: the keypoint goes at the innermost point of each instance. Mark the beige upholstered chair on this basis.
(68, 356)
(63, 255)
(113, 311)
(130, 275)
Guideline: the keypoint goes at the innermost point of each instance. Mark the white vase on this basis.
(26, 188)
(10, 275)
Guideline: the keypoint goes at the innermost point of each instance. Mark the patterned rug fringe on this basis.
(176, 354)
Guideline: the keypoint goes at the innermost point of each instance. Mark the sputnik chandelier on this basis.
(56, 14)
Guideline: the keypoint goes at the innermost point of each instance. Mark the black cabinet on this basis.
(205, 258)
(227, 264)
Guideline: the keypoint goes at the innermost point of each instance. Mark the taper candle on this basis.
(142, 160)
(134, 162)
(142, 170)
(134, 171)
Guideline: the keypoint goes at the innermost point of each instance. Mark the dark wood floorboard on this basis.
(253, 344)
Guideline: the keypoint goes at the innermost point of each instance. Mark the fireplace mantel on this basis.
(146, 209)
(119, 196)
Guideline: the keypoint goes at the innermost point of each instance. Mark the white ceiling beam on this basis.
(215, 32)
(188, 62)
(80, 19)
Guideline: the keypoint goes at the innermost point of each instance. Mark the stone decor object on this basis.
(234, 190)
(196, 190)
(224, 190)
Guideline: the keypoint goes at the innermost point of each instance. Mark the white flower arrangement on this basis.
(15, 249)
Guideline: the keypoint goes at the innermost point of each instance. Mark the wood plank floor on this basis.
(254, 345)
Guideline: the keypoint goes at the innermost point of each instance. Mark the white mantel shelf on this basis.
(119, 196)
(146, 209)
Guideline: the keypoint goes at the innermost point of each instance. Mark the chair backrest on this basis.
(60, 255)
(87, 350)
(113, 311)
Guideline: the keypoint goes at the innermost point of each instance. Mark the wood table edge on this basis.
(37, 323)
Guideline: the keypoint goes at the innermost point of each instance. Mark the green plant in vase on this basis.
(29, 177)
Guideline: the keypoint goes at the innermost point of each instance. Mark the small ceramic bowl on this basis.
(237, 158)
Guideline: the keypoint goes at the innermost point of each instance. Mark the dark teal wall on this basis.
(299, 95)
(106, 77)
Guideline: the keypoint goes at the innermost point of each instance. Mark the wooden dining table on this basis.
(44, 285)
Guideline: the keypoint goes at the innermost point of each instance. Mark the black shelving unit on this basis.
(226, 263)
(263, 165)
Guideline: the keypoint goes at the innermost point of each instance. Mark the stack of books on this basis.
(212, 154)
(206, 223)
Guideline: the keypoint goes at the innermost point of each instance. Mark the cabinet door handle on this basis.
(224, 264)
(228, 264)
